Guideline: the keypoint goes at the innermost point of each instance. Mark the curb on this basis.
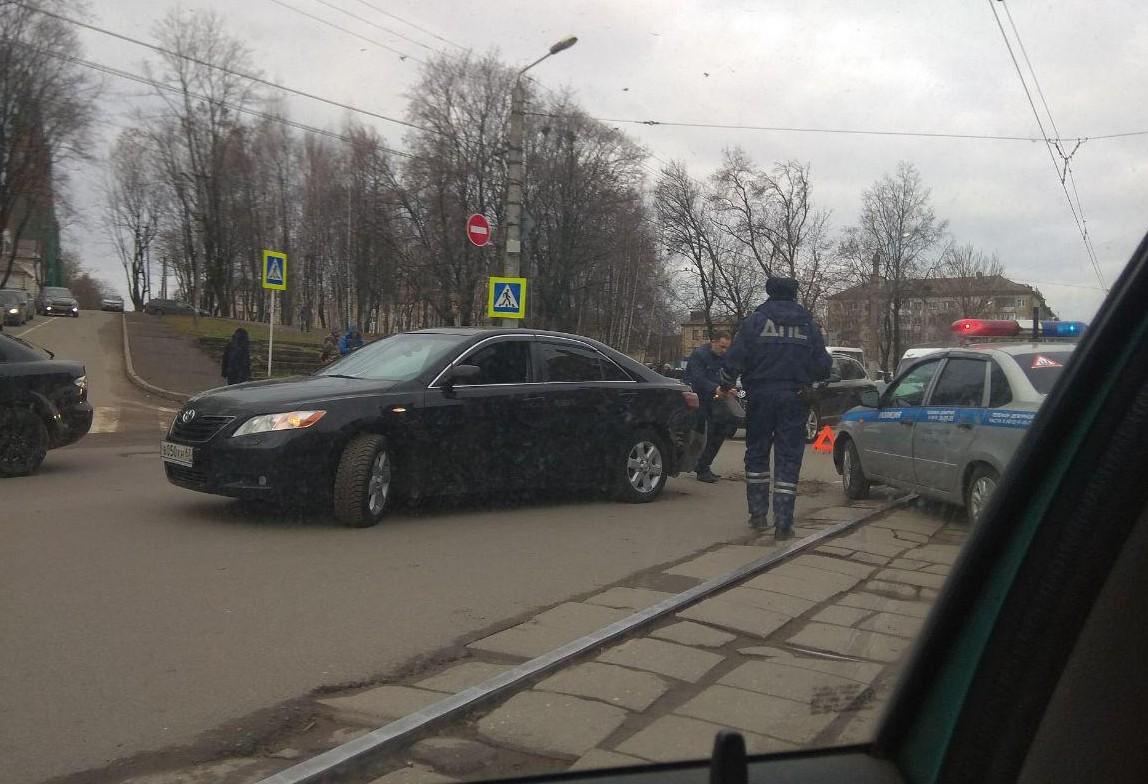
(177, 397)
(335, 763)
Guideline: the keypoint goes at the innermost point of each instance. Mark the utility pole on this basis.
(511, 264)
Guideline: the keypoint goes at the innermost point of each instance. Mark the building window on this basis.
(1022, 302)
(697, 335)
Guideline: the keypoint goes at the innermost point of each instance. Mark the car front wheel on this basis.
(982, 484)
(23, 442)
(363, 481)
(853, 480)
(812, 425)
(639, 469)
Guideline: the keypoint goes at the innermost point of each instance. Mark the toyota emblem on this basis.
(187, 416)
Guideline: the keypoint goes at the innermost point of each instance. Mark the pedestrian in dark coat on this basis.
(703, 374)
(352, 341)
(237, 358)
(778, 352)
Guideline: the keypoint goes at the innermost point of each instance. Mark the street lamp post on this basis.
(511, 264)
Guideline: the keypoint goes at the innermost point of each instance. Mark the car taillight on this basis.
(691, 398)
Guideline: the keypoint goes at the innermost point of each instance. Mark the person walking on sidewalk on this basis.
(703, 374)
(330, 346)
(237, 358)
(778, 352)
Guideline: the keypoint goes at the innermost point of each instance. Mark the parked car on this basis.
(170, 307)
(12, 308)
(114, 303)
(441, 411)
(43, 405)
(949, 424)
(26, 298)
(57, 301)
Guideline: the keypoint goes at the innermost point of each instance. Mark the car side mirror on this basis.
(461, 374)
(870, 398)
(833, 379)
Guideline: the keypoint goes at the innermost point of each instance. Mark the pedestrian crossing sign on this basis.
(506, 298)
(274, 270)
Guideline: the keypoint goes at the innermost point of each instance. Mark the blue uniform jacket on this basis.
(703, 374)
(777, 348)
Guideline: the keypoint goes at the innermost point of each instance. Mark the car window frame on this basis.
(934, 387)
(886, 400)
(437, 382)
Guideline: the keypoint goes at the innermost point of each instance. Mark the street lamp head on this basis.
(564, 44)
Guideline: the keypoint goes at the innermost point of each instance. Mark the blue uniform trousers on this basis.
(775, 421)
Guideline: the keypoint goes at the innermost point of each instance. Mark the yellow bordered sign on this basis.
(274, 270)
(506, 298)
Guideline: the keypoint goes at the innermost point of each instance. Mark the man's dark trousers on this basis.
(719, 427)
(775, 421)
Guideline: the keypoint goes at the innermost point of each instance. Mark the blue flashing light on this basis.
(1062, 329)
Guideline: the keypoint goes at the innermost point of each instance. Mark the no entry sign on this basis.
(478, 229)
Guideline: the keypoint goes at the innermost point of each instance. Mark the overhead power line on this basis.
(436, 36)
(402, 55)
(226, 70)
(1051, 140)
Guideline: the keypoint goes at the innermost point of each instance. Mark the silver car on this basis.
(947, 426)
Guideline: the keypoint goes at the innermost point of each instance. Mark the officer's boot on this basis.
(784, 501)
(757, 494)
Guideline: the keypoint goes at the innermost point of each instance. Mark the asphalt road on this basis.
(137, 616)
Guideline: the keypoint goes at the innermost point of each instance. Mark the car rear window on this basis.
(1043, 368)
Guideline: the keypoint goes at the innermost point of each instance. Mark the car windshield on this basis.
(11, 298)
(235, 534)
(397, 358)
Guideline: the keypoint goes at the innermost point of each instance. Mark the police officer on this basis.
(778, 352)
(703, 374)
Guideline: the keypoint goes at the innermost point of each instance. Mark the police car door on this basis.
(887, 445)
(948, 424)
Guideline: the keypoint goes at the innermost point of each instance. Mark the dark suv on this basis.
(169, 307)
(43, 405)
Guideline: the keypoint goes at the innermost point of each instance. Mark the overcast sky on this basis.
(850, 87)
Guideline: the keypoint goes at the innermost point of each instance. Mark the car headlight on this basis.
(291, 420)
(13, 311)
(81, 382)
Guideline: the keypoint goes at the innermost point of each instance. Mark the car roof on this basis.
(1018, 348)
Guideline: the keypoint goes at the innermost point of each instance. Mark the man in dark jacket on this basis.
(352, 341)
(703, 374)
(778, 352)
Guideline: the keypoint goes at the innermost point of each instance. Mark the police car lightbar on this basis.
(1062, 329)
(1007, 328)
(986, 328)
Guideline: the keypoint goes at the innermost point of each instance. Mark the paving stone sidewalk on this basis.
(802, 655)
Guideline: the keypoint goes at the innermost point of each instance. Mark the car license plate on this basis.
(177, 453)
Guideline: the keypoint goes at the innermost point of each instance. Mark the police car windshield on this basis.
(1043, 370)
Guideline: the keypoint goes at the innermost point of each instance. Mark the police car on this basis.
(949, 423)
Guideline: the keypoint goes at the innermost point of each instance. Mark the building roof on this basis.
(945, 287)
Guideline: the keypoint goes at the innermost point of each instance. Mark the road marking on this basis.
(105, 420)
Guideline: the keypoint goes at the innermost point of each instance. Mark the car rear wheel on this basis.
(23, 442)
(982, 484)
(812, 425)
(853, 480)
(640, 470)
(363, 481)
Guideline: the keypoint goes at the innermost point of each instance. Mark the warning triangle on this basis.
(824, 442)
(506, 300)
(1041, 361)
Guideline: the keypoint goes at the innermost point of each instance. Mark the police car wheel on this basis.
(363, 481)
(812, 426)
(853, 480)
(640, 470)
(980, 489)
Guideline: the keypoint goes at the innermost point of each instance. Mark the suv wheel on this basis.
(23, 442)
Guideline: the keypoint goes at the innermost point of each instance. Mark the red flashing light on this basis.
(986, 328)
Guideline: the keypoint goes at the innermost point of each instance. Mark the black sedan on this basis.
(440, 411)
(43, 405)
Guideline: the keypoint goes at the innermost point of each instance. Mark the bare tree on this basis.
(45, 107)
(970, 275)
(133, 209)
(203, 91)
(894, 238)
